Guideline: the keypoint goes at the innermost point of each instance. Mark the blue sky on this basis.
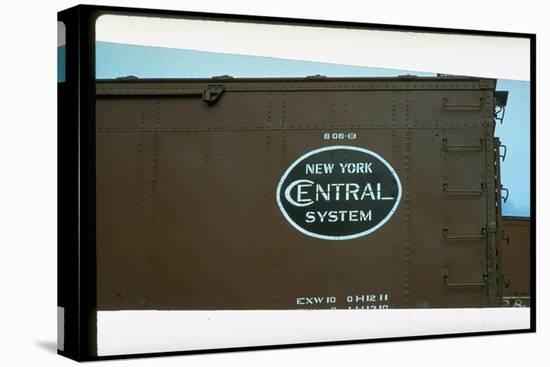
(114, 60)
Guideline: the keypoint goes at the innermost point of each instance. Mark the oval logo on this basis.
(339, 192)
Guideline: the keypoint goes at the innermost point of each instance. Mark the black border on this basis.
(76, 186)
(76, 180)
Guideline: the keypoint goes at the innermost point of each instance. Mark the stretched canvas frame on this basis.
(77, 251)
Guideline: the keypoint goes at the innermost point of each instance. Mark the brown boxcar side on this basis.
(187, 174)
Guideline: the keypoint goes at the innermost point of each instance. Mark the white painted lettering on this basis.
(333, 216)
(368, 192)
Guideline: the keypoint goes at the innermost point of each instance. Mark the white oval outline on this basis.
(338, 238)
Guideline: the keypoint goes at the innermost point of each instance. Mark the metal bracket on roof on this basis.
(501, 98)
(212, 93)
(222, 77)
(127, 77)
(316, 76)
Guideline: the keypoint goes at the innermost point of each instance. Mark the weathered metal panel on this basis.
(187, 216)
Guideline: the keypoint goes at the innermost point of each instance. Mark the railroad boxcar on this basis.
(301, 193)
(515, 255)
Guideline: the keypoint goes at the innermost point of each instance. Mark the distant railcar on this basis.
(516, 261)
